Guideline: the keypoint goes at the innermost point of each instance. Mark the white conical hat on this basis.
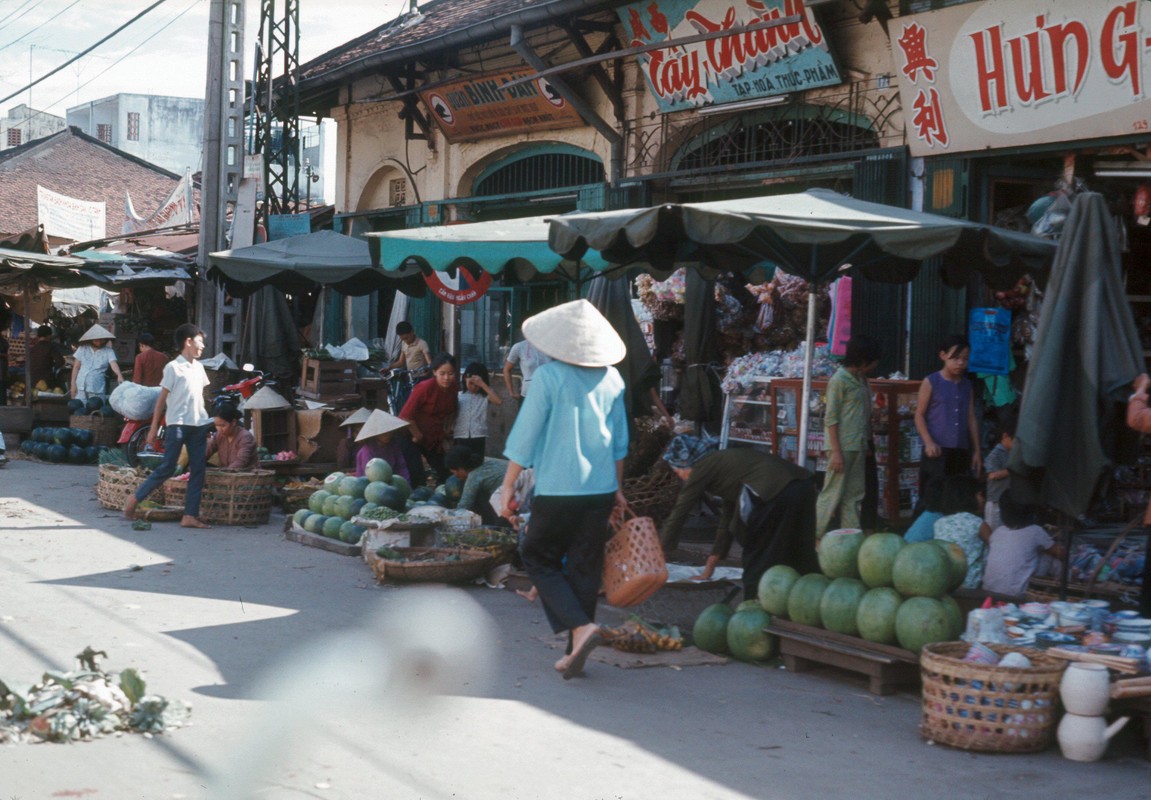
(96, 332)
(380, 422)
(266, 399)
(576, 333)
(357, 417)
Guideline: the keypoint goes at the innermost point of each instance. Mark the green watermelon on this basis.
(746, 604)
(839, 553)
(368, 507)
(877, 557)
(774, 587)
(351, 533)
(358, 506)
(921, 621)
(378, 470)
(955, 619)
(332, 482)
(957, 560)
(803, 600)
(82, 437)
(921, 569)
(710, 630)
(76, 407)
(57, 453)
(314, 523)
(347, 486)
(76, 455)
(344, 507)
(374, 492)
(875, 617)
(62, 437)
(316, 501)
(839, 604)
(329, 507)
(746, 638)
(401, 485)
(331, 527)
(453, 488)
(420, 493)
(300, 516)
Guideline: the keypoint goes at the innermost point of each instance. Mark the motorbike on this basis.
(236, 393)
(400, 384)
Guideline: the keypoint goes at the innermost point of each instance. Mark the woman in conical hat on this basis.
(93, 358)
(572, 429)
(379, 441)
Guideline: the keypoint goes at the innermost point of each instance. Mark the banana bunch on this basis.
(639, 636)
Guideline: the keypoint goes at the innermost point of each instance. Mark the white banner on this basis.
(175, 210)
(68, 218)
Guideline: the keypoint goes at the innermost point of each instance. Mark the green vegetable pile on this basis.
(384, 513)
(85, 704)
(391, 554)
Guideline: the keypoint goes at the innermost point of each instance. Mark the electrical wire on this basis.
(26, 2)
(84, 52)
(38, 27)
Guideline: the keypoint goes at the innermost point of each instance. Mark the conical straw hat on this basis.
(266, 399)
(576, 333)
(96, 332)
(357, 417)
(378, 423)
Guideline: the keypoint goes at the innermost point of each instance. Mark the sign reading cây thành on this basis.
(485, 106)
(1004, 73)
(744, 66)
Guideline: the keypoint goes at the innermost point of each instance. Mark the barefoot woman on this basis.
(573, 430)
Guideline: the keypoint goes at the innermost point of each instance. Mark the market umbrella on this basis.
(1087, 353)
(815, 235)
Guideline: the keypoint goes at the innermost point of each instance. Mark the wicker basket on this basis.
(292, 500)
(499, 543)
(653, 495)
(105, 430)
(988, 708)
(471, 564)
(116, 483)
(633, 565)
(229, 498)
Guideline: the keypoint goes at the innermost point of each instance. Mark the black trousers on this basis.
(952, 461)
(563, 555)
(780, 531)
(477, 445)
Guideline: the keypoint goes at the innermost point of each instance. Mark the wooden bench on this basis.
(885, 667)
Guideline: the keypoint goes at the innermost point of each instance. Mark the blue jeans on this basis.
(195, 438)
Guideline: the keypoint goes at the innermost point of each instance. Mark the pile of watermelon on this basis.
(62, 446)
(878, 588)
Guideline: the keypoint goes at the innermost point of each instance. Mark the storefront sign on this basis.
(468, 289)
(743, 66)
(1003, 73)
(485, 106)
(69, 218)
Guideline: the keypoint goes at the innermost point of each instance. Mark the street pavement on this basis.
(208, 616)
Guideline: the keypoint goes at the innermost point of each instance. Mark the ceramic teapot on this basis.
(1085, 689)
(1085, 738)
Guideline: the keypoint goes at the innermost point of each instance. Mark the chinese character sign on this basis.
(742, 66)
(1003, 73)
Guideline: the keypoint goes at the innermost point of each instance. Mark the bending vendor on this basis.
(780, 528)
(379, 441)
(481, 478)
(234, 443)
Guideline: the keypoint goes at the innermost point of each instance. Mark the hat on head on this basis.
(380, 422)
(96, 332)
(575, 333)
(683, 451)
(357, 417)
(265, 399)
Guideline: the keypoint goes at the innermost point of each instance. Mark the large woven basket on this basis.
(653, 495)
(471, 564)
(105, 430)
(499, 543)
(988, 708)
(116, 483)
(229, 498)
(633, 565)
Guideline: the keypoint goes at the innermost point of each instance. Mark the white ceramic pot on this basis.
(1085, 689)
(1085, 738)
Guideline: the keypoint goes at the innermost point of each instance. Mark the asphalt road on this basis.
(210, 615)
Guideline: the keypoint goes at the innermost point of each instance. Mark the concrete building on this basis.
(23, 124)
(166, 131)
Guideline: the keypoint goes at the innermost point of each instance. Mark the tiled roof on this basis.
(75, 164)
(445, 21)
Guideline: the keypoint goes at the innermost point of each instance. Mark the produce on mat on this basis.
(710, 630)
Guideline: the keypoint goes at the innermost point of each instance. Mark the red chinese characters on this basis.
(913, 43)
(929, 119)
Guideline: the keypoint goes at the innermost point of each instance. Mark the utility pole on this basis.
(279, 47)
(223, 160)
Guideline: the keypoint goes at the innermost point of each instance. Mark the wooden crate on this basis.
(373, 392)
(885, 667)
(274, 429)
(328, 378)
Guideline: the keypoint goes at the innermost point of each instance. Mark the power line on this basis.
(38, 27)
(26, 2)
(85, 51)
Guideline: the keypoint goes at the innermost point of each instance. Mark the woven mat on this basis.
(676, 659)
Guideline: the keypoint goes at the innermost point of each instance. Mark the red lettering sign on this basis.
(916, 59)
(928, 119)
(471, 288)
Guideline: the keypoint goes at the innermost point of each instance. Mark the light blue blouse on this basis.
(572, 428)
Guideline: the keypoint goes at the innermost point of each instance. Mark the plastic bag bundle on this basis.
(133, 401)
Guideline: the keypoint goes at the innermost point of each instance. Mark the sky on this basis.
(163, 53)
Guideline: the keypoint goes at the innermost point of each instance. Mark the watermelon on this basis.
(358, 506)
(351, 533)
(300, 516)
(366, 507)
(332, 482)
(329, 507)
(957, 560)
(746, 638)
(402, 486)
(26, 447)
(374, 492)
(921, 621)
(93, 453)
(710, 630)
(877, 556)
(62, 437)
(774, 586)
(803, 599)
(378, 470)
(347, 486)
(839, 553)
(875, 617)
(344, 507)
(955, 619)
(82, 437)
(420, 493)
(921, 569)
(453, 488)
(76, 407)
(839, 604)
(94, 404)
(314, 523)
(316, 501)
(331, 527)
(76, 455)
(57, 453)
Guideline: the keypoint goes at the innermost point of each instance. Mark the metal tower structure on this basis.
(276, 106)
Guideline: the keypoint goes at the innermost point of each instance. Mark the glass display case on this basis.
(767, 417)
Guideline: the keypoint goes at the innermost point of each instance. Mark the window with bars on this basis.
(104, 133)
(14, 137)
(540, 172)
(398, 192)
(133, 127)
